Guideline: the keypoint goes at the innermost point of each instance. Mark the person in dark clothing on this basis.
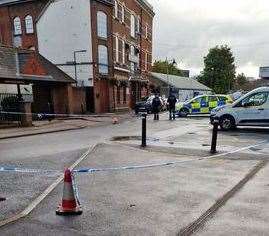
(172, 100)
(156, 105)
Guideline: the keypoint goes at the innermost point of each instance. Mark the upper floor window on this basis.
(117, 48)
(122, 13)
(103, 59)
(123, 52)
(17, 26)
(29, 26)
(146, 31)
(133, 26)
(116, 9)
(101, 24)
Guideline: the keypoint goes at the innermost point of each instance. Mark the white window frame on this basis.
(103, 59)
(102, 24)
(122, 13)
(123, 52)
(17, 26)
(116, 9)
(117, 48)
(132, 25)
(29, 24)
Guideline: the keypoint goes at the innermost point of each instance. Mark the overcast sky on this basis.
(186, 29)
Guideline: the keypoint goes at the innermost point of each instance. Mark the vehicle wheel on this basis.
(184, 112)
(227, 123)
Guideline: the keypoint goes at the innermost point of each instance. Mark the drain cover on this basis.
(2, 199)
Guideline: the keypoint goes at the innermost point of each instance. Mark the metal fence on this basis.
(10, 102)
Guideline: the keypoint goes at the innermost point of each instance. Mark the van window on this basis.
(212, 99)
(256, 99)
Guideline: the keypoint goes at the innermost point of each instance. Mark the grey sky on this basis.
(186, 29)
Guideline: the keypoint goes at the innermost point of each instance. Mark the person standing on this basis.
(172, 100)
(156, 105)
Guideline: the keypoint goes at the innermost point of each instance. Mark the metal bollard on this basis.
(214, 137)
(144, 131)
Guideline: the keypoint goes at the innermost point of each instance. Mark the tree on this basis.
(241, 80)
(161, 67)
(219, 70)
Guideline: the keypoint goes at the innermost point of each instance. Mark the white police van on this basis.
(251, 109)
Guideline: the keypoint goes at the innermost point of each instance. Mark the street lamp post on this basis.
(75, 61)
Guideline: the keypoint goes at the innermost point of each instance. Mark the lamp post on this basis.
(75, 61)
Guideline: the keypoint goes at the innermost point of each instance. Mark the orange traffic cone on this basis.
(115, 121)
(69, 205)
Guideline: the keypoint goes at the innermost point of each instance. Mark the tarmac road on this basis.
(108, 198)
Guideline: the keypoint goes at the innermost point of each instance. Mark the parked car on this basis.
(145, 105)
(250, 110)
(202, 104)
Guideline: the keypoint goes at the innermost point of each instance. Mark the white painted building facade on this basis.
(63, 28)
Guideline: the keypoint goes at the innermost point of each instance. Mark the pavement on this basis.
(152, 201)
(59, 125)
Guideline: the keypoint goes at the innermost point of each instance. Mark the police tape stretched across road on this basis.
(124, 168)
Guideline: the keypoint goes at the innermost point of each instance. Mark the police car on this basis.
(251, 109)
(202, 104)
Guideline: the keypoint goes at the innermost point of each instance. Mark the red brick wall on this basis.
(101, 84)
(8, 13)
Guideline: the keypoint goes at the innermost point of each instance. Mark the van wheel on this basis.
(227, 122)
(184, 112)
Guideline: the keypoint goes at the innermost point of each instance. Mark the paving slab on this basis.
(245, 214)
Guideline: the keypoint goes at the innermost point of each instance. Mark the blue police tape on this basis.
(23, 170)
(108, 169)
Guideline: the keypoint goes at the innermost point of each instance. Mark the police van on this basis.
(202, 104)
(250, 110)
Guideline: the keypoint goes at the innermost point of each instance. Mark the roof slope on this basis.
(29, 65)
(180, 82)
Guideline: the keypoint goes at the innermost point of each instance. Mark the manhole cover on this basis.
(2, 199)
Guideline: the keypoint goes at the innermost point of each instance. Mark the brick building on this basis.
(132, 40)
(18, 29)
(105, 45)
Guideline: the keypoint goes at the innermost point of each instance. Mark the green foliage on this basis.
(162, 66)
(219, 71)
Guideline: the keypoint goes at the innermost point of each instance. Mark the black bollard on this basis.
(214, 137)
(144, 131)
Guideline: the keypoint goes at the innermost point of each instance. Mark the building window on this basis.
(132, 26)
(124, 94)
(29, 26)
(118, 94)
(138, 25)
(146, 61)
(103, 59)
(117, 48)
(17, 26)
(116, 9)
(132, 51)
(123, 52)
(146, 31)
(101, 24)
(122, 13)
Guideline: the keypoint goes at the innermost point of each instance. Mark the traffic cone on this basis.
(115, 121)
(69, 205)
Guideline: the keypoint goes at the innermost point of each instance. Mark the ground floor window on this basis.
(118, 94)
(124, 94)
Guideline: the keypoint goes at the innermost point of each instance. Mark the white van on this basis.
(250, 110)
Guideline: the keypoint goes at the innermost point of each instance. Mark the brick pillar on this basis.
(26, 118)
